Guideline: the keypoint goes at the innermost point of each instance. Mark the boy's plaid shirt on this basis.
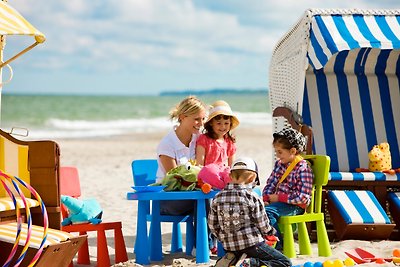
(237, 218)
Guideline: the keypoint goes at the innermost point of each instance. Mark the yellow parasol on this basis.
(12, 23)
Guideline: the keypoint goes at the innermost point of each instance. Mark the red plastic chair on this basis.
(70, 186)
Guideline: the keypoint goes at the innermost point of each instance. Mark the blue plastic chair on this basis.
(144, 173)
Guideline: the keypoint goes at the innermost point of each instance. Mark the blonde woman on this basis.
(179, 146)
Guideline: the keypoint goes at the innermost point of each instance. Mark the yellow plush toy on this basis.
(380, 160)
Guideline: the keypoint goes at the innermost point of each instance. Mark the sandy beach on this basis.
(105, 173)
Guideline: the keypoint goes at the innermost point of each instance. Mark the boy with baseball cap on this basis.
(238, 219)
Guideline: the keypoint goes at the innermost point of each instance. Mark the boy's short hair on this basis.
(246, 163)
(295, 138)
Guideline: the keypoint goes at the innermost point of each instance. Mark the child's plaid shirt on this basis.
(237, 218)
(295, 189)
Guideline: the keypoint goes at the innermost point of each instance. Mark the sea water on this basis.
(62, 116)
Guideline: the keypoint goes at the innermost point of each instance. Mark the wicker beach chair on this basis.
(339, 71)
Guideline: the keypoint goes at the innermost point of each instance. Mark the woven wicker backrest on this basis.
(287, 68)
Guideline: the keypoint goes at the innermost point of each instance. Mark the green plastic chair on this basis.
(320, 165)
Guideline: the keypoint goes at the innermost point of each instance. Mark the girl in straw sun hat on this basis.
(216, 148)
(217, 143)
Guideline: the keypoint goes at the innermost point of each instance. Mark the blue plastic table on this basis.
(151, 250)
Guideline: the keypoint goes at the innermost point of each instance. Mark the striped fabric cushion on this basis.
(8, 233)
(358, 207)
(6, 203)
(355, 176)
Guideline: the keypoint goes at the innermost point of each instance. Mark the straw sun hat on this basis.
(220, 107)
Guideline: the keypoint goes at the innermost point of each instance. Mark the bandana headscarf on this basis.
(295, 138)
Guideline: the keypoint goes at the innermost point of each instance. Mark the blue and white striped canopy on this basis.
(331, 34)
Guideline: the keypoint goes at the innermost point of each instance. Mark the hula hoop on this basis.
(28, 236)
(14, 180)
(19, 222)
(11, 75)
(19, 225)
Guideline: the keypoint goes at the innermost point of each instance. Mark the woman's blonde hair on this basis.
(189, 106)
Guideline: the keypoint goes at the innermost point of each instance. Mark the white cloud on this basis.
(155, 31)
(185, 36)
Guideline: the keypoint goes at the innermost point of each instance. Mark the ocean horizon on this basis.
(83, 116)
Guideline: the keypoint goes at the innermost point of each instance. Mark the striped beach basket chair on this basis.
(339, 71)
(357, 214)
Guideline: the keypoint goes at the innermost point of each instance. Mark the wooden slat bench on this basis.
(59, 248)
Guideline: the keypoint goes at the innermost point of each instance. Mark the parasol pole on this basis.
(2, 45)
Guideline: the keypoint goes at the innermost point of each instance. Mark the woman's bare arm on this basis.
(167, 162)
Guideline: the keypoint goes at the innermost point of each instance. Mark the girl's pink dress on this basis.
(215, 170)
(216, 152)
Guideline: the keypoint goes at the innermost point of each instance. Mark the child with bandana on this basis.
(288, 188)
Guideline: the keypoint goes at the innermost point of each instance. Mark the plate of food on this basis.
(148, 188)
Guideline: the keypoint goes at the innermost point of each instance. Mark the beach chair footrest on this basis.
(357, 214)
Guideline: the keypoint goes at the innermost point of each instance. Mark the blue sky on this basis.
(138, 47)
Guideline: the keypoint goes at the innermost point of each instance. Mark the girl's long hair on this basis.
(208, 130)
